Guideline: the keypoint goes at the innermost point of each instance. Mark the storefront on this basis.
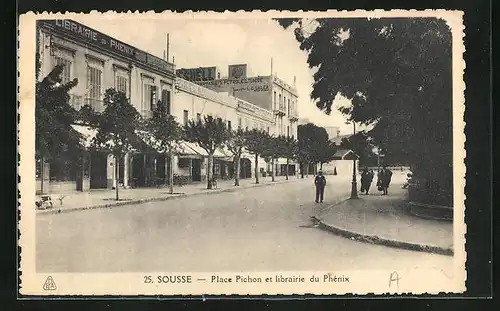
(101, 62)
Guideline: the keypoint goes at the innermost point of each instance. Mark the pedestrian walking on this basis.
(320, 183)
(385, 180)
(369, 181)
(365, 177)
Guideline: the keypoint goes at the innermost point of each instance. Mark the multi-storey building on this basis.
(267, 92)
(100, 62)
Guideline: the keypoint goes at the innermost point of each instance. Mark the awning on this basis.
(87, 132)
(150, 140)
(191, 149)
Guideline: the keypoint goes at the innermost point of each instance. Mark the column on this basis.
(126, 170)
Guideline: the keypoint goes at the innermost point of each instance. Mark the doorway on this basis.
(196, 169)
(98, 170)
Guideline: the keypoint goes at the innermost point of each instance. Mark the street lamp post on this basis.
(354, 185)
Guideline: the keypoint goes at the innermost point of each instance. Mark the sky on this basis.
(222, 42)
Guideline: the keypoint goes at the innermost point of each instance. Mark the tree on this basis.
(326, 153)
(163, 133)
(256, 142)
(314, 145)
(288, 149)
(210, 134)
(117, 128)
(55, 140)
(235, 144)
(274, 149)
(397, 73)
(361, 144)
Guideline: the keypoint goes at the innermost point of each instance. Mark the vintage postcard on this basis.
(247, 153)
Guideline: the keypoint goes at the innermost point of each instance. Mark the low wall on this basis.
(55, 187)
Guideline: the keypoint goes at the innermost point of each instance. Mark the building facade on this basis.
(266, 92)
(100, 62)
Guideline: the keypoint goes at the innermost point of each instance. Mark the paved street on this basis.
(255, 229)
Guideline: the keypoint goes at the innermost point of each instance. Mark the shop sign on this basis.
(106, 42)
(255, 84)
(198, 74)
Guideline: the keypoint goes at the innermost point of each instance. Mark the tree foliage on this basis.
(235, 143)
(163, 130)
(210, 134)
(55, 138)
(257, 142)
(162, 133)
(117, 127)
(397, 72)
(314, 145)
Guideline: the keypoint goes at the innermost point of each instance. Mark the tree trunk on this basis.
(272, 169)
(287, 167)
(171, 173)
(256, 169)
(302, 169)
(209, 170)
(117, 172)
(321, 166)
(307, 169)
(237, 170)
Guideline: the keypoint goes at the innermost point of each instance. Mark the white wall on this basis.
(344, 168)
(80, 56)
(195, 104)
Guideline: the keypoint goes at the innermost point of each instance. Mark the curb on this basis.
(418, 209)
(381, 241)
(157, 199)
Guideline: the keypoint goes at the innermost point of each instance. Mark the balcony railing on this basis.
(96, 104)
(293, 116)
(280, 111)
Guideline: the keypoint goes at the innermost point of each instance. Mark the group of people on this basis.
(383, 182)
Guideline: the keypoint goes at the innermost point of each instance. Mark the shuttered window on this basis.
(94, 82)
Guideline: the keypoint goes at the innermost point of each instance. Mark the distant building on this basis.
(342, 163)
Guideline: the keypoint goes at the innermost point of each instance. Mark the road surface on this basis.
(257, 229)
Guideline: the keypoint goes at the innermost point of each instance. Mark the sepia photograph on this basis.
(242, 153)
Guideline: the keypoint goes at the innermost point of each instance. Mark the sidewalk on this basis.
(385, 220)
(106, 197)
